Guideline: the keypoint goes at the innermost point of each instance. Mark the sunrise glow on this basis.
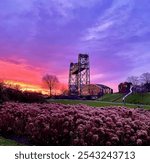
(26, 86)
(45, 36)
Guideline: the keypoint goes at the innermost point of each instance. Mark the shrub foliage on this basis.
(58, 124)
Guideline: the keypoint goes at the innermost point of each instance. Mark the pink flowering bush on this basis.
(58, 124)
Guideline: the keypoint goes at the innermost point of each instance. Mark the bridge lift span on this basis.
(79, 75)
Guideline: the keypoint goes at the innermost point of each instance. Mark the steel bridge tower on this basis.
(79, 75)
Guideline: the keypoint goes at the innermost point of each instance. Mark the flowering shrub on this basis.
(58, 124)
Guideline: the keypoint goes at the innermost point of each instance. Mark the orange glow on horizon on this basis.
(26, 86)
(27, 77)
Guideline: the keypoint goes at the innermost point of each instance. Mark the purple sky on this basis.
(44, 36)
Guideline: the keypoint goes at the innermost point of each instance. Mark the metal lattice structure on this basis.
(79, 75)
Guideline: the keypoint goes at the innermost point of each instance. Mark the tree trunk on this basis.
(49, 92)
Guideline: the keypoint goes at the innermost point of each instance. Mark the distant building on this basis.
(96, 90)
(124, 87)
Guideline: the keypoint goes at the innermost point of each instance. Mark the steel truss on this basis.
(79, 75)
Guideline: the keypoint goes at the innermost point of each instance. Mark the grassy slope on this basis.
(133, 99)
(111, 97)
(139, 98)
(8, 142)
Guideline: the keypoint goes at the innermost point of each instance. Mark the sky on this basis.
(44, 36)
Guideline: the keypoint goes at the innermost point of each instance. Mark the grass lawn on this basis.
(135, 98)
(143, 98)
(111, 97)
(98, 103)
(8, 142)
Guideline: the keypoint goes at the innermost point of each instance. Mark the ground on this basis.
(142, 101)
(99, 103)
(8, 142)
(136, 98)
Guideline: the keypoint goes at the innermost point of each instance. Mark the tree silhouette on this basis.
(63, 89)
(1, 92)
(145, 78)
(133, 79)
(51, 81)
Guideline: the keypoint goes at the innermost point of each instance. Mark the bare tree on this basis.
(133, 79)
(63, 90)
(51, 81)
(145, 78)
